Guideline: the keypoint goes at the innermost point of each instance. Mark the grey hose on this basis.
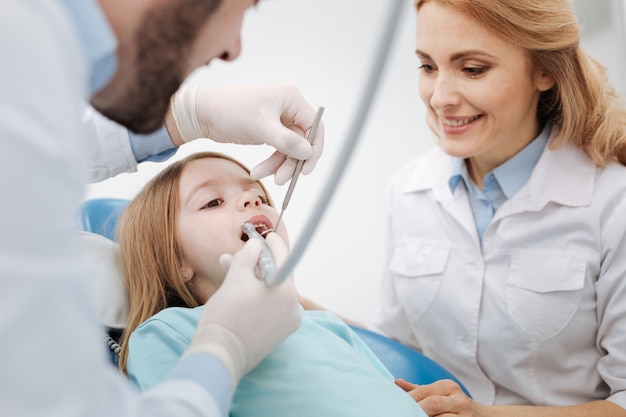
(371, 86)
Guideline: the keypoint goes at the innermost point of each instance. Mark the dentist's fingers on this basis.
(245, 319)
(277, 246)
(225, 261)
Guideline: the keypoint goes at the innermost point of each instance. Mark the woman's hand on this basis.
(443, 398)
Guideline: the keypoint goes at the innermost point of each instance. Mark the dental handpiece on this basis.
(267, 266)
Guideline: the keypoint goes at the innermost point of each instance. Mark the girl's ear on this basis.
(187, 274)
(543, 80)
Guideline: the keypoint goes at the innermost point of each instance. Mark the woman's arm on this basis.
(447, 397)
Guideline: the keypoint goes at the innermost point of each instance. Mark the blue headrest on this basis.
(99, 215)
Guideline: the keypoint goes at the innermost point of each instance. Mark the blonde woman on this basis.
(506, 258)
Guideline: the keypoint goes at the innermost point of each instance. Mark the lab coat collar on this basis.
(432, 172)
(564, 176)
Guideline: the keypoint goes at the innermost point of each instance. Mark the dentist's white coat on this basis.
(535, 316)
(47, 308)
(108, 147)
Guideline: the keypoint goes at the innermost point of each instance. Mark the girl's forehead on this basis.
(206, 173)
(217, 167)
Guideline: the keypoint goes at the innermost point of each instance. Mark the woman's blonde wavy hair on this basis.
(582, 103)
(150, 256)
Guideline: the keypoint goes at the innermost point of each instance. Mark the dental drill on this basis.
(266, 263)
(267, 266)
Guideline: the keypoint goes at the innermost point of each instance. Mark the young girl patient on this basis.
(171, 237)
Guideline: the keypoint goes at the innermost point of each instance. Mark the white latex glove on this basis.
(272, 114)
(246, 319)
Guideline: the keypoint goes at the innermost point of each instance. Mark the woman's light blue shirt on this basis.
(500, 184)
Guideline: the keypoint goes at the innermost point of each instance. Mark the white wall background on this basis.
(325, 47)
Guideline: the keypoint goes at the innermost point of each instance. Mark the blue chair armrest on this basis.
(403, 361)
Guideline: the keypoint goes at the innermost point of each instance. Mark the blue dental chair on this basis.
(403, 361)
(99, 216)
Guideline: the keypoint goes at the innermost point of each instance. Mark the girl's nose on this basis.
(250, 199)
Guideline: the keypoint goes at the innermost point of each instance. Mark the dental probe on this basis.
(266, 260)
(296, 173)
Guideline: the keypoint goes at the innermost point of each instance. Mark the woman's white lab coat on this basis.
(537, 315)
(53, 360)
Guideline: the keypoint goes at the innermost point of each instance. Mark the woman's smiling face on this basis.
(216, 197)
(480, 90)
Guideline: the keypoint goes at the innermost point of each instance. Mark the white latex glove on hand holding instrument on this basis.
(240, 334)
(272, 114)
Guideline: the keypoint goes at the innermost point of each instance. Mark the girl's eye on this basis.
(474, 71)
(214, 203)
(426, 67)
(263, 199)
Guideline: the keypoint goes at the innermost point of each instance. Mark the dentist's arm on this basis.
(276, 115)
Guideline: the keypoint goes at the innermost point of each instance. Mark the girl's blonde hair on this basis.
(582, 103)
(150, 256)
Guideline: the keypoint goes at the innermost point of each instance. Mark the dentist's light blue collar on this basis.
(97, 40)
